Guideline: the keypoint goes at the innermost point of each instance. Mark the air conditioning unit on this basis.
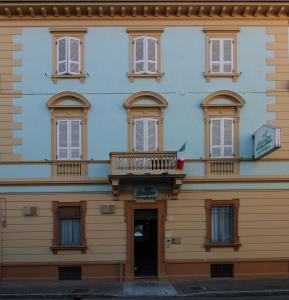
(30, 211)
(107, 209)
(146, 193)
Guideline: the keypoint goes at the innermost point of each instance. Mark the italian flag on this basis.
(181, 157)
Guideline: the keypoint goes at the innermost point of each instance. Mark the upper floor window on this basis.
(145, 134)
(222, 114)
(69, 139)
(145, 53)
(145, 121)
(69, 133)
(68, 53)
(221, 137)
(221, 55)
(221, 52)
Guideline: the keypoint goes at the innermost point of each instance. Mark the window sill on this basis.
(55, 249)
(55, 78)
(209, 76)
(209, 246)
(157, 76)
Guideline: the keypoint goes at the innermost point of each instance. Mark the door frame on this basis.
(160, 206)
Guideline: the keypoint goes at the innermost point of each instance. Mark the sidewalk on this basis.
(211, 287)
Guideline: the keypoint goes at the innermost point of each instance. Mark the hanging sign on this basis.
(266, 140)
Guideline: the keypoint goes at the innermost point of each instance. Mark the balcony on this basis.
(69, 169)
(222, 167)
(128, 168)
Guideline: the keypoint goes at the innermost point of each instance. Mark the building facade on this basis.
(96, 99)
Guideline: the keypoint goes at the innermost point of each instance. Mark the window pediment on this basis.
(68, 100)
(145, 100)
(223, 98)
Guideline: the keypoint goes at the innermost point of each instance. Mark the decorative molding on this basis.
(153, 109)
(157, 9)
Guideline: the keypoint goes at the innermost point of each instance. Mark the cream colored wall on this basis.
(280, 77)
(263, 225)
(8, 94)
(28, 239)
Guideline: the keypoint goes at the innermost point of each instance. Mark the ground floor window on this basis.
(222, 223)
(69, 226)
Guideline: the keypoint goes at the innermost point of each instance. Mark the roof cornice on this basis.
(153, 9)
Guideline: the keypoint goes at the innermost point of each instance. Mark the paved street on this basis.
(170, 298)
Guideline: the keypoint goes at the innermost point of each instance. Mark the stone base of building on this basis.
(175, 270)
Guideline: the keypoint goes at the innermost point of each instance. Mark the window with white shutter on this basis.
(145, 52)
(145, 55)
(68, 139)
(145, 134)
(68, 54)
(221, 137)
(221, 55)
(221, 52)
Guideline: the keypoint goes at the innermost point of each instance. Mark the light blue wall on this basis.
(107, 87)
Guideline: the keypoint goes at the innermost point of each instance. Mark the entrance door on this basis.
(145, 242)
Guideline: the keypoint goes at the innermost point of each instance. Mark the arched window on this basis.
(68, 132)
(145, 121)
(222, 114)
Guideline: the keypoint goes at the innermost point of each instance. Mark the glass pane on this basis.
(70, 233)
(222, 225)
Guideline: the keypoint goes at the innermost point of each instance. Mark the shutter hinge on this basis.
(133, 149)
(210, 122)
(56, 123)
(210, 41)
(56, 156)
(81, 156)
(210, 155)
(81, 123)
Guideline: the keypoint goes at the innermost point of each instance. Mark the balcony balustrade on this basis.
(138, 163)
(222, 167)
(70, 169)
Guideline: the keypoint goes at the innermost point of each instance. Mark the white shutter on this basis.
(215, 55)
(139, 55)
(75, 139)
(222, 137)
(227, 55)
(151, 55)
(228, 137)
(139, 135)
(215, 138)
(152, 135)
(61, 55)
(62, 139)
(73, 55)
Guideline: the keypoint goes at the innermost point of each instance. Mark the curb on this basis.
(197, 294)
(238, 293)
